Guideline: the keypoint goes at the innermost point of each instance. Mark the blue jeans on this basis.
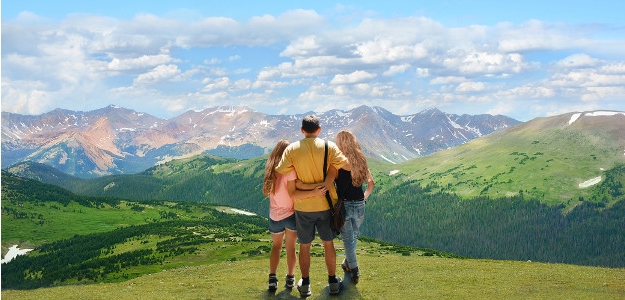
(354, 215)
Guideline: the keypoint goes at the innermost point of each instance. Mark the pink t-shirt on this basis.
(280, 203)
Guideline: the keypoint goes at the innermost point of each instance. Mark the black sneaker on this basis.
(335, 287)
(304, 290)
(290, 281)
(273, 283)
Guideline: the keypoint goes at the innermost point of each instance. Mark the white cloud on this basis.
(222, 83)
(484, 62)
(396, 69)
(144, 61)
(470, 87)
(578, 60)
(423, 72)
(447, 80)
(268, 74)
(528, 91)
(356, 76)
(158, 74)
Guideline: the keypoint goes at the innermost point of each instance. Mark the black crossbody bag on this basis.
(337, 210)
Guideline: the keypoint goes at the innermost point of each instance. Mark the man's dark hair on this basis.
(310, 124)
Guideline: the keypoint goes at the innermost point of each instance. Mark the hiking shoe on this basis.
(355, 275)
(290, 282)
(335, 287)
(346, 269)
(304, 290)
(273, 283)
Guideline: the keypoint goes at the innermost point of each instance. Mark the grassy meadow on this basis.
(384, 276)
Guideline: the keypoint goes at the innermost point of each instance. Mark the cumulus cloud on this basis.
(140, 63)
(158, 74)
(271, 60)
(396, 69)
(577, 61)
(356, 76)
(469, 87)
(447, 80)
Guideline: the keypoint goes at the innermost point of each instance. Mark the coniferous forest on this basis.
(506, 228)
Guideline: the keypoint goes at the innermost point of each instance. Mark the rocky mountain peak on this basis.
(115, 140)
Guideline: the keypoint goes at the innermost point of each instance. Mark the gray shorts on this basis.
(280, 226)
(307, 222)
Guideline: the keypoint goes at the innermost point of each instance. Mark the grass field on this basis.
(384, 276)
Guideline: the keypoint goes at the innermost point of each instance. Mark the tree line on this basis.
(511, 228)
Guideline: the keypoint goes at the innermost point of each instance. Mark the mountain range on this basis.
(550, 189)
(116, 140)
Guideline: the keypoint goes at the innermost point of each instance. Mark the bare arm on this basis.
(370, 185)
(330, 177)
(296, 194)
(328, 183)
(306, 186)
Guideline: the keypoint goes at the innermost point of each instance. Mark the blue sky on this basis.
(523, 59)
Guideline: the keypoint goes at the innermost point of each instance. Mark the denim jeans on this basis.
(354, 215)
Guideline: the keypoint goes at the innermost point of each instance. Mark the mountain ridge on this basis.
(116, 140)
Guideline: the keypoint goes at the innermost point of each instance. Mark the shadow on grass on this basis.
(348, 291)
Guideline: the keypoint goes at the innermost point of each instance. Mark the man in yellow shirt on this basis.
(306, 157)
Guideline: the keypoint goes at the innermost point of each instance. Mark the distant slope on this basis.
(552, 159)
(202, 178)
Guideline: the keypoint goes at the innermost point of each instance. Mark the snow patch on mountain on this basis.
(599, 113)
(454, 124)
(407, 119)
(590, 182)
(387, 159)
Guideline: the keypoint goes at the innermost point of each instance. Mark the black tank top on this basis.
(345, 189)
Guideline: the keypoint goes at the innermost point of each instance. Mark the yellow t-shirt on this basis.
(306, 158)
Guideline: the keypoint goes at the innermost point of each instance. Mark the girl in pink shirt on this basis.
(282, 214)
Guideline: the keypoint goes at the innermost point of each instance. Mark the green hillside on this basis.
(545, 159)
(80, 239)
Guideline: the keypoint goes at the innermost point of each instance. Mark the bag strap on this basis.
(325, 160)
(325, 170)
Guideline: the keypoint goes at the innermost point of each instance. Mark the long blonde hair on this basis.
(348, 144)
(270, 167)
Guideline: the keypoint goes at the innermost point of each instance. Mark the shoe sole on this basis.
(337, 291)
(304, 294)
